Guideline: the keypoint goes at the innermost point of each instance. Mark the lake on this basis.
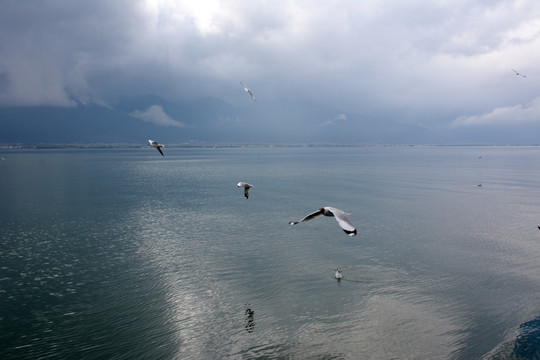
(124, 254)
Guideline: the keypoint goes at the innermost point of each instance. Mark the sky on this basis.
(435, 63)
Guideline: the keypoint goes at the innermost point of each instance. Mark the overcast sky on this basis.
(426, 62)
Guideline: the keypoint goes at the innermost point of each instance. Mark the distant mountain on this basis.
(500, 134)
(207, 120)
(81, 124)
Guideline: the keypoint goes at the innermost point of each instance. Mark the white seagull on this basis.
(518, 74)
(246, 187)
(248, 90)
(338, 275)
(155, 144)
(341, 218)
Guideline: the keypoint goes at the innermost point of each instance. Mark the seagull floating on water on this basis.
(250, 321)
(155, 144)
(338, 275)
(518, 74)
(248, 90)
(246, 187)
(341, 218)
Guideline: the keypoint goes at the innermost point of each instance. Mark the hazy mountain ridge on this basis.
(212, 120)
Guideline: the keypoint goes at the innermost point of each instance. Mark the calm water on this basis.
(124, 254)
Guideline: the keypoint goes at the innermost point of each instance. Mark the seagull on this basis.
(155, 144)
(246, 187)
(341, 218)
(518, 74)
(338, 275)
(250, 321)
(248, 90)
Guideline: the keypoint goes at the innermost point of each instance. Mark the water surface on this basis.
(125, 254)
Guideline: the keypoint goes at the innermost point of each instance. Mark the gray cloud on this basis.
(517, 114)
(420, 62)
(340, 117)
(156, 115)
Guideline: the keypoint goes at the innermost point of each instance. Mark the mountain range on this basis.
(213, 121)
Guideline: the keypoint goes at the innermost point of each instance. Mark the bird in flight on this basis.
(518, 73)
(248, 90)
(341, 218)
(246, 187)
(155, 144)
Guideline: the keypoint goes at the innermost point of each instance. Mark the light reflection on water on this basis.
(159, 257)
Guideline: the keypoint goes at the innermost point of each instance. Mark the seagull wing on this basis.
(308, 217)
(244, 184)
(159, 149)
(246, 192)
(343, 221)
(248, 90)
(518, 73)
(251, 93)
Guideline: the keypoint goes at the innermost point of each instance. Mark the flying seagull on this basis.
(248, 90)
(155, 144)
(518, 74)
(341, 218)
(246, 187)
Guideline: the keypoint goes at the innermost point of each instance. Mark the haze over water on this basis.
(126, 254)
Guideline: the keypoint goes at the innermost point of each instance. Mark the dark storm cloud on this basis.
(424, 61)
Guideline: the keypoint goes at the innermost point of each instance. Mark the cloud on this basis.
(156, 115)
(414, 61)
(517, 114)
(340, 117)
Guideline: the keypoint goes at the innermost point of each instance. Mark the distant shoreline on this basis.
(14, 146)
